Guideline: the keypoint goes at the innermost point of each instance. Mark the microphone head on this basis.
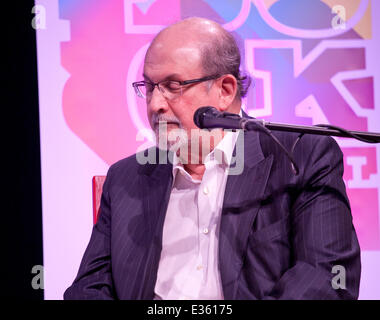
(201, 113)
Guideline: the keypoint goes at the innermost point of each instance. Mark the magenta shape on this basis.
(362, 91)
(98, 58)
(364, 201)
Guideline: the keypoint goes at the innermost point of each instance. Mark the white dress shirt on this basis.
(189, 264)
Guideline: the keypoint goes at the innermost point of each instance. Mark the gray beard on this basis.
(170, 141)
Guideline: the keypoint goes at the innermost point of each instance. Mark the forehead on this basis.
(172, 55)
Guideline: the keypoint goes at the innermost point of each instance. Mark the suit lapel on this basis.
(156, 186)
(242, 199)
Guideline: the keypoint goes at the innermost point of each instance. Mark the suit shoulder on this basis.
(142, 162)
(124, 163)
(132, 162)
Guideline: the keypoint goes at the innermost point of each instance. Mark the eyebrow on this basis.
(172, 76)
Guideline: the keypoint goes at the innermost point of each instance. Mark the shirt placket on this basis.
(206, 207)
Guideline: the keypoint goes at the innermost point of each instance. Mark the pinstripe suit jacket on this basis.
(280, 236)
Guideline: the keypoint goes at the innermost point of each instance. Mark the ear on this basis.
(228, 90)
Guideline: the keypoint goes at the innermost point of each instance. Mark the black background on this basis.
(21, 213)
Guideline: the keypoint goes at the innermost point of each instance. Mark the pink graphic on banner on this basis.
(360, 175)
(98, 59)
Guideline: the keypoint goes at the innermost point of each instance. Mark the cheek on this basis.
(208, 97)
(149, 115)
(185, 108)
(185, 111)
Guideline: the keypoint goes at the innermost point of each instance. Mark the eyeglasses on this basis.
(170, 89)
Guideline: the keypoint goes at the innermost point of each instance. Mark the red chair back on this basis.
(97, 188)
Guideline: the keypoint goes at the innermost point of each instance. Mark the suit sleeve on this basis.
(325, 247)
(94, 279)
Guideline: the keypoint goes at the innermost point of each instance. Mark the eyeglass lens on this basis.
(170, 89)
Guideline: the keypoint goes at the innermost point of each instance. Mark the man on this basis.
(191, 230)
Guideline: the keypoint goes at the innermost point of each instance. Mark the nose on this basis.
(157, 102)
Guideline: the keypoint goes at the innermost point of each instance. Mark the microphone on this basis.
(209, 118)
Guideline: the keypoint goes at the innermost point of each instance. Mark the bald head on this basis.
(191, 30)
(207, 41)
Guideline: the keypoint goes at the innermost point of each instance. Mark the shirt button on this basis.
(205, 190)
(205, 230)
(199, 267)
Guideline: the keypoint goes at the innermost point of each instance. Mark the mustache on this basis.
(156, 118)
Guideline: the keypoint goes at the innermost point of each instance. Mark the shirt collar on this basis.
(222, 153)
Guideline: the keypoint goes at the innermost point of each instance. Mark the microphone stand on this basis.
(320, 129)
(209, 117)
